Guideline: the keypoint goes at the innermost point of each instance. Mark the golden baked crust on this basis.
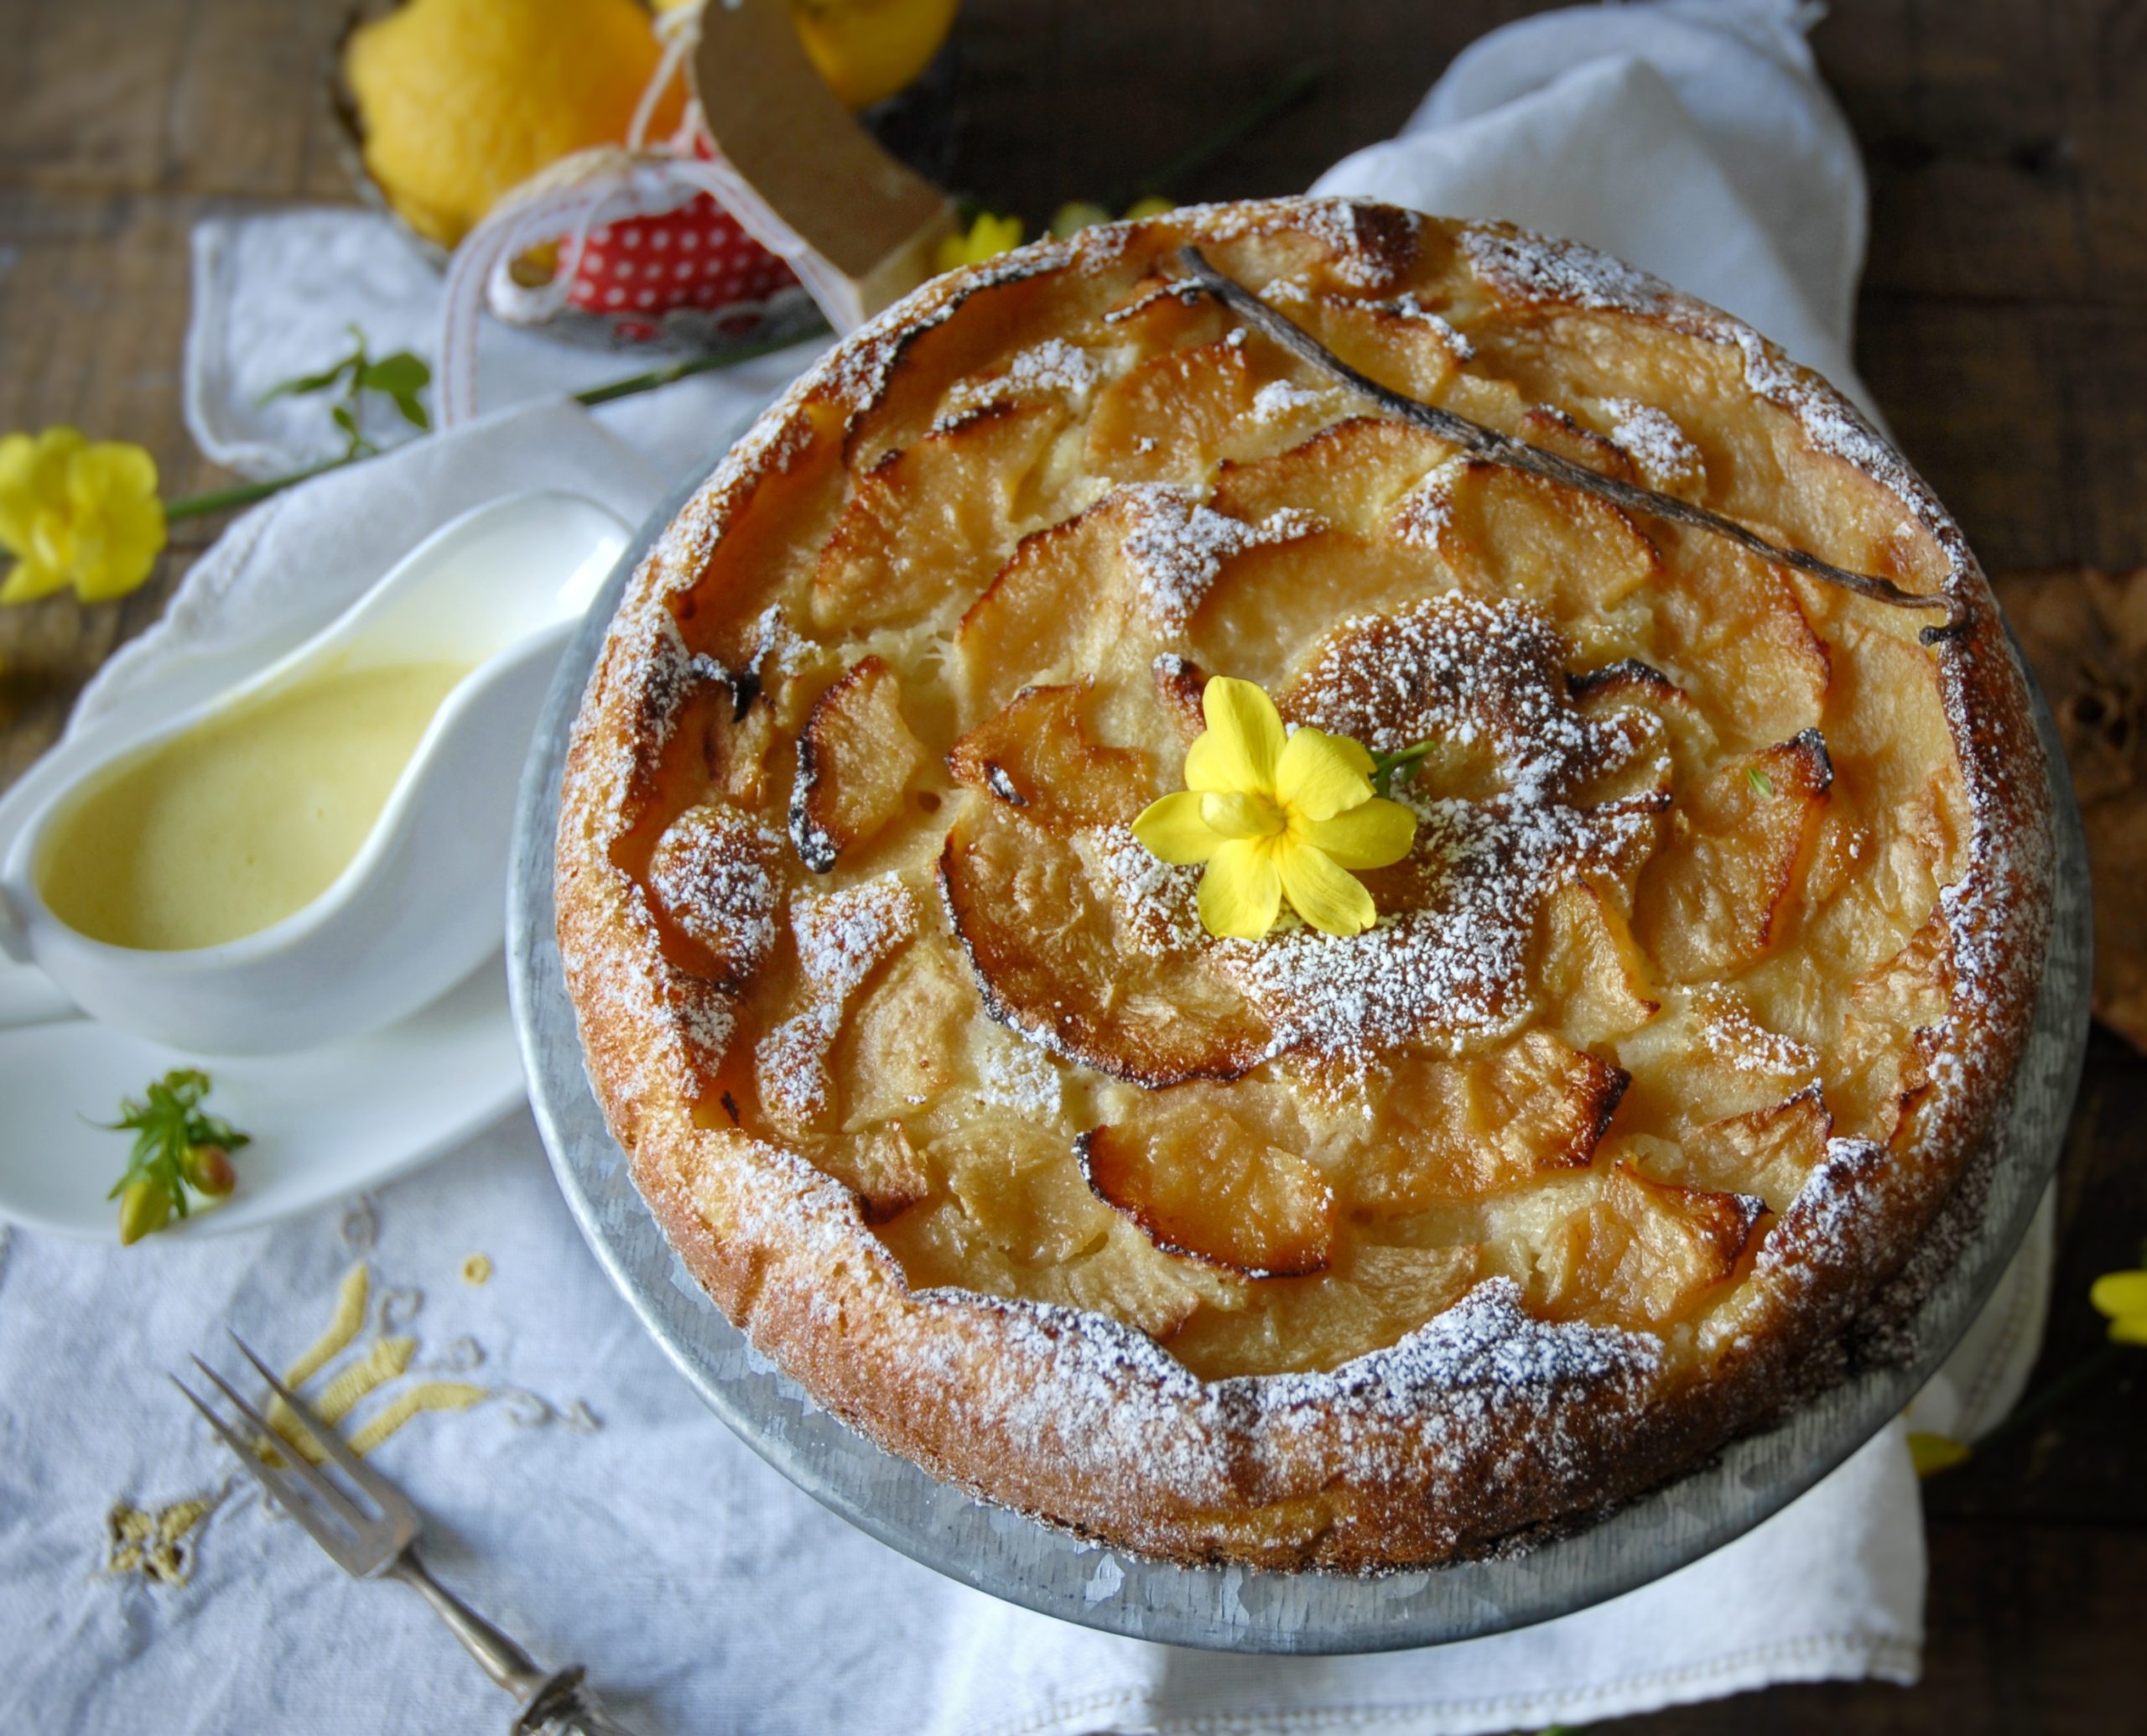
(1706, 978)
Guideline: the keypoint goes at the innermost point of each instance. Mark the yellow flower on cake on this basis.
(1275, 815)
(2122, 1296)
(75, 512)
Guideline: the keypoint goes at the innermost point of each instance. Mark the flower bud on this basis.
(144, 1209)
(209, 1169)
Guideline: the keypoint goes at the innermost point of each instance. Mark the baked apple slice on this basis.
(1371, 1296)
(1466, 1129)
(1054, 961)
(1765, 1152)
(1643, 1255)
(1036, 755)
(712, 882)
(1592, 969)
(1349, 475)
(1719, 894)
(855, 758)
(1170, 418)
(1201, 1181)
(1508, 533)
(931, 521)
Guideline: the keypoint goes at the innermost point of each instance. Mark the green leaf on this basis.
(413, 411)
(303, 385)
(395, 375)
(168, 1123)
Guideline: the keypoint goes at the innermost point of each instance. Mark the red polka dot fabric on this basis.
(696, 256)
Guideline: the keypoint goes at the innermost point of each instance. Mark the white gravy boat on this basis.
(422, 903)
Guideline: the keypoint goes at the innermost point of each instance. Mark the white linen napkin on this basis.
(588, 1501)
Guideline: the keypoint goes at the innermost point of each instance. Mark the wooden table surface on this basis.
(2003, 329)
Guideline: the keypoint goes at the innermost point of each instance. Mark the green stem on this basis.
(1386, 764)
(245, 494)
(222, 500)
(1299, 84)
(693, 365)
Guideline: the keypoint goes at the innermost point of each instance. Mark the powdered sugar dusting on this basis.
(1153, 901)
(1478, 1380)
(1054, 368)
(1013, 1075)
(1454, 969)
(841, 936)
(1177, 546)
(1278, 400)
(1407, 307)
(1661, 450)
(1532, 268)
(1461, 669)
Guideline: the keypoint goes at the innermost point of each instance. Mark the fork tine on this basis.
(385, 1495)
(338, 1503)
(247, 1457)
(340, 1547)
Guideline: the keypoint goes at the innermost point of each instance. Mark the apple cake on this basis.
(1699, 987)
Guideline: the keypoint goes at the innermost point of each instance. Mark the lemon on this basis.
(462, 100)
(868, 49)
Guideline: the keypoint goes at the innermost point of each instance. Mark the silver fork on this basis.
(381, 1545)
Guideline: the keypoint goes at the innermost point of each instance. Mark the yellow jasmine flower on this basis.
(1933, 1453)
(76, 513)
(1276, 816)
(2123, 1297)
(988, 237)
(1078, 214)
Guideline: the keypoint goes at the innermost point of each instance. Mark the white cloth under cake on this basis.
(590, 1503)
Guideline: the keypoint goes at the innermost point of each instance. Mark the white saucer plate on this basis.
(325, 1123)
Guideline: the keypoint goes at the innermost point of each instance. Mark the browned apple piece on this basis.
(843, 938)
(881, 1167)
(1513, 534)
(712, 882)
(1060, 605)
(1552, 429)
(1126, 1276)
(1765, 1152)
(1395, 342)
(1036, 755)
(1705, 1056)
(1644, 1254)
(913, 368)
(1180, 685)
(931, 521)
(1370, 1297)
(1270, 605)
(747, 570)
(1051, 961)
(1719, 894)
(1160, 313)
(1494, 402)
(1879, 1066)
(1201, 1181)
(898, 1049)
(1592, 969)
(1468, 1128)
(1170, 418)
(1017, 1181)
(1728, 612)
(854, 759)
(1349, 475)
